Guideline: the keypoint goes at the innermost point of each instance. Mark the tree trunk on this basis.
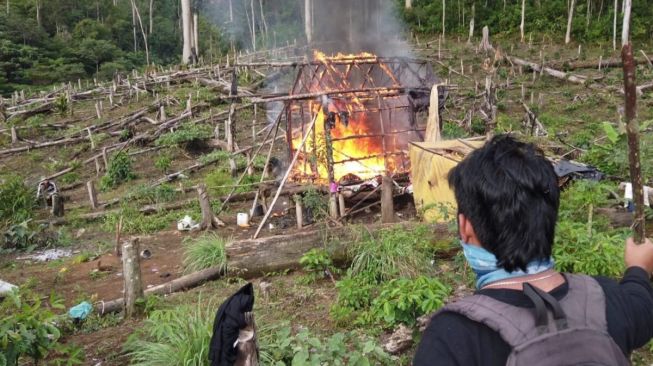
(38, 13)
(134, 29)
(444, 17)
(209, 221)
(131, 271)
(433, 124)
(231, 11)
(569, 19)
(486, 45)
(92, 194)
(251, 3)
(308, 20)
(186, 28)
(151, 17)
(521, 26)
(409, 4)
(196, 36)
(387, 198)
(140, 22)
(265, 23)
(614, 26)
(625, 31)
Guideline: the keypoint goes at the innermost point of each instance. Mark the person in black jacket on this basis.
(508, 200)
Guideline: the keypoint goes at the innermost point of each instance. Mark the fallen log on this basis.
(256, 257)
(578, 79)
(181, 283)
(590, 64)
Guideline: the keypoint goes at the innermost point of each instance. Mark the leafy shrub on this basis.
(152, 195)
(17, 201)
(69, 178)
(163, 163)
(281, 348)
(316, 203)
(120, 170)
(316, 260)
(205, 252)
(27, 327)
(19, 236)
(187, 134)
(355, 295)
(600, 253)
(215, 156)
(392, 252)
(403, 300)
(217, 180)
(179, 336)
(580, 246)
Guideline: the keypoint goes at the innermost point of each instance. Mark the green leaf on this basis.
(610, 132)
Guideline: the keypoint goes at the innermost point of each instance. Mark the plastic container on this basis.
(242, 220)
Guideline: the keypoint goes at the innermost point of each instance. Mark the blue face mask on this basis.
(484, 265)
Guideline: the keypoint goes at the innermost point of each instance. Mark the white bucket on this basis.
(242, 220)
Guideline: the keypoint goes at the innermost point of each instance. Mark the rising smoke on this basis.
(347, 26)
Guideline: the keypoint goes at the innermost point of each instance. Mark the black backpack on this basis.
(572, 331)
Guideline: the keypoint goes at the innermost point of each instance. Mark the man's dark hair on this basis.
(509, 192)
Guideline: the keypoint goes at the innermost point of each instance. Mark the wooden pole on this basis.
(632, 131)
(299, 211)
(131, 270)
(14, 135)
(341, 204)
(433, 124)
(285, 177)
(118, 248)
(333, 186)
(387, 197)
(92, 194)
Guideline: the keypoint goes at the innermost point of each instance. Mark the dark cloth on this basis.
(229, 319)
(453, 339)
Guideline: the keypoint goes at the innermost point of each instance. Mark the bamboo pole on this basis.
(285, 178)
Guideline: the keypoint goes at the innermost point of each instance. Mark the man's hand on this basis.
(639, 255)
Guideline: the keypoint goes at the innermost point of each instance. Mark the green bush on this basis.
(205, 252)
(185, 135)
(27, 327)
(403, 300)
(163, 163)
(316, 202)
(17, 202)
(179, 336)
(282, 348)
(391, 253)
(120, 170)
(316, 260)
(69, 178)
(152, 195)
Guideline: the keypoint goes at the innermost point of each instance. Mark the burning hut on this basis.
(365, 111)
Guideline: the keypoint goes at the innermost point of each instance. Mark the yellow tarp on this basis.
(430, 166)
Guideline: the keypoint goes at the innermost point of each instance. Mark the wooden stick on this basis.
(632, 131)
(285, 177)
(92, 194)
(118, 249)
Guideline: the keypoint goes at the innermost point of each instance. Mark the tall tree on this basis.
(625, 30)
(572, 5)
(521, 26)
(308, 20)
(140, 22)
(444, 17)
(186, 30)
(614, 26)
(151, 17)
(409, 4)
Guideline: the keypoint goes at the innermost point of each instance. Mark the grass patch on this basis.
(205, 252)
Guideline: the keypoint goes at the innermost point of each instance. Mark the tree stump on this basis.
(57, 205)
(131, 269)
(208, 218)
(92, 194)
(485, 45)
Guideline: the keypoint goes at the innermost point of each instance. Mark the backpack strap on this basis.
(584, 303)
(584, 306)
(514, 324)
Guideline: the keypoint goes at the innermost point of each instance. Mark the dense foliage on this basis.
(541, 17)
(17, 201)
(73, 39)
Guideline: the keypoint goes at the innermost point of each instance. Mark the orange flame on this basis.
(355, 153)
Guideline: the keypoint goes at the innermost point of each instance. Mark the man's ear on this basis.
(466, 230)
